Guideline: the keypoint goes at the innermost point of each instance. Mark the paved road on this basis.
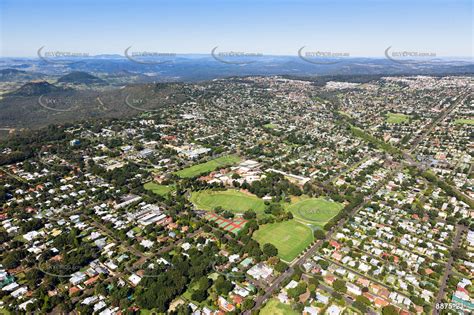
(449, 267)
(111, 235)
(269, 291)
(440, 118)
(367, 277)
(348, 300)
(18, 178)
(276, 284)
(295, 264)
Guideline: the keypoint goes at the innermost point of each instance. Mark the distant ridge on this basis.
(10, 75)
(35, 89)
(80, 77)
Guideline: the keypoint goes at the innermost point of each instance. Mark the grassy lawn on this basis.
(270, 126)
(137, 229)
(231, 199)
(187, 294)
(4, 311)
(317, 211)
(289, 237)
(464, 121)
(161, 190)
(275, 307)
(396, 118)
(204, 168)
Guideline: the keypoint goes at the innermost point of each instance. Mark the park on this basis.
(207, 167)
(315, 211)
(231, 199)
(289, 237)
(397, 118)
(161, 190)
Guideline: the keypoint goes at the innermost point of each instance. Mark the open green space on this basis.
(148, 312)
(270, 126)
(4, 311)
(192, 287)
(275, 307)
(317, 211)
(204, 168)
(464, 121)
(289, 237)
(158, 189)
(231, 199)
(397, 118)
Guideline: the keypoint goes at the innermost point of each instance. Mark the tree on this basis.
(340, 286)
(249, 214)
(459, 253)
(298, 290)
(323, 263)
(228, 214)
(204, 283)
(223, 286)
(33, 276)
(199, 295)
(235, 176)
(389, 310)
(363, 299)
(319, 234)
(281, 266)
(13, 259)
(248, 304)
(270, 250)
(360, 306)
(272, 261)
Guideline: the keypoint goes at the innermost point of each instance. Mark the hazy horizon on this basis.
(273, 28)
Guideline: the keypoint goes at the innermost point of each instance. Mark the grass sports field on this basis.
(275, 307)
(464, 121)
(270, 126)
(231, 199)
(317, 211)
(161, 190)
(203, 168)
(394, 118)
(289, 237)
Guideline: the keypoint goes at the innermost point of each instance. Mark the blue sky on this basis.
(361, 28)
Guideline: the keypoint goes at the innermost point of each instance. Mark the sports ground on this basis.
(464, 121)
(396, 118)
(270, 126)
(231, 199)
(316, 211)
(230, 225)
(158, 189)
(289, 237)
(204, 168)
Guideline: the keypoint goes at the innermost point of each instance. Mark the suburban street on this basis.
(447, 271)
